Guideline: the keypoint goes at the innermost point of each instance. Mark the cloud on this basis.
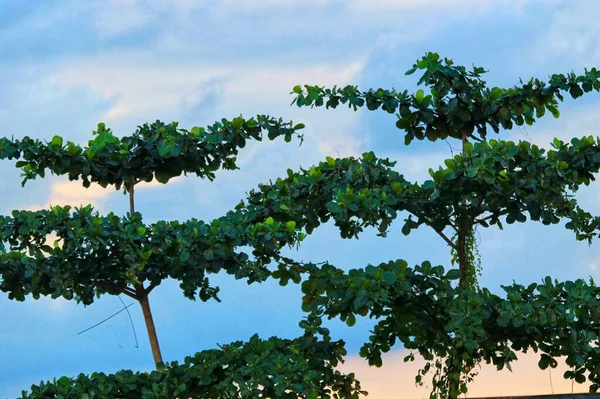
(415, 166)
(71, 64)
(171, 92)
(115, 17)
(73, 193)
(578, 118)
(439, 6)
(143, 86)
(573, 32)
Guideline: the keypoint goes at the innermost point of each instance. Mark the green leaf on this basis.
(419, 95)
(163, 149)
(351, 320)
(411, 71)
(389, 278)
(56, 142)
(453, 274)
(468, 148)
(162, 176)
(238, 122)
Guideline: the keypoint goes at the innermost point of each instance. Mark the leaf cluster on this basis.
(274, 368)
(491, 182)
(93, 254)
(458, 103)
(155, 151)
(422, 308)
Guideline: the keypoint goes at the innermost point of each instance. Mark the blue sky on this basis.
(67, 65)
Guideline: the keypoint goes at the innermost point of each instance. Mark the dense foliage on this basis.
(457, 325)
(459, 104)
(273, 368)
(440, 313)
(155, 151)
(94, 254)
(76, 253)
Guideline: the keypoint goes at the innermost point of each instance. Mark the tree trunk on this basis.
(142, 297)
(463, 257)
(145, 303)
(453, 385)
(463, 260)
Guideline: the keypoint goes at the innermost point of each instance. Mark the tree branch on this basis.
(151, 287)
(440, 232)
(445, 238)
(123, 290)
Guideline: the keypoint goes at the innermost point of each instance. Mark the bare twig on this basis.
(105, 320)
(131, 321)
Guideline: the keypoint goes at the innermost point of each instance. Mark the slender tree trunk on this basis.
(145, 303)
(461, 244)
(463, 261)
(456, 370)
(454, 382)
(142, 297)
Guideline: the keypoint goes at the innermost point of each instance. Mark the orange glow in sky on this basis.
(396, 379)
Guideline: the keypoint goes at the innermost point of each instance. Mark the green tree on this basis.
(94, 255)
(439, 313)
(442, 313)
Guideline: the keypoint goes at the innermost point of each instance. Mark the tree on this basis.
(93, 255)
(440, 313)
(443, 314)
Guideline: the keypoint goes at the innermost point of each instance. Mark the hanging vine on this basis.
(472, 256)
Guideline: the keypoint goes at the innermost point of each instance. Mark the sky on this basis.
(67, 65)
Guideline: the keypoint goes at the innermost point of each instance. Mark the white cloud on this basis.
(55, 305)
(270, 4)
(139, 89)
(115, 17)
(573, 32)
(144, 86)
(73, 193)
(166, 91)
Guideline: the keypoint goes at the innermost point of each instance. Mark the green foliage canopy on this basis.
(155, 151)
(273, 368)
(459, 105)
(454, 326)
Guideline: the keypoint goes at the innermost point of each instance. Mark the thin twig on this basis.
(448, 241)
(105, 320)
(131, 321)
